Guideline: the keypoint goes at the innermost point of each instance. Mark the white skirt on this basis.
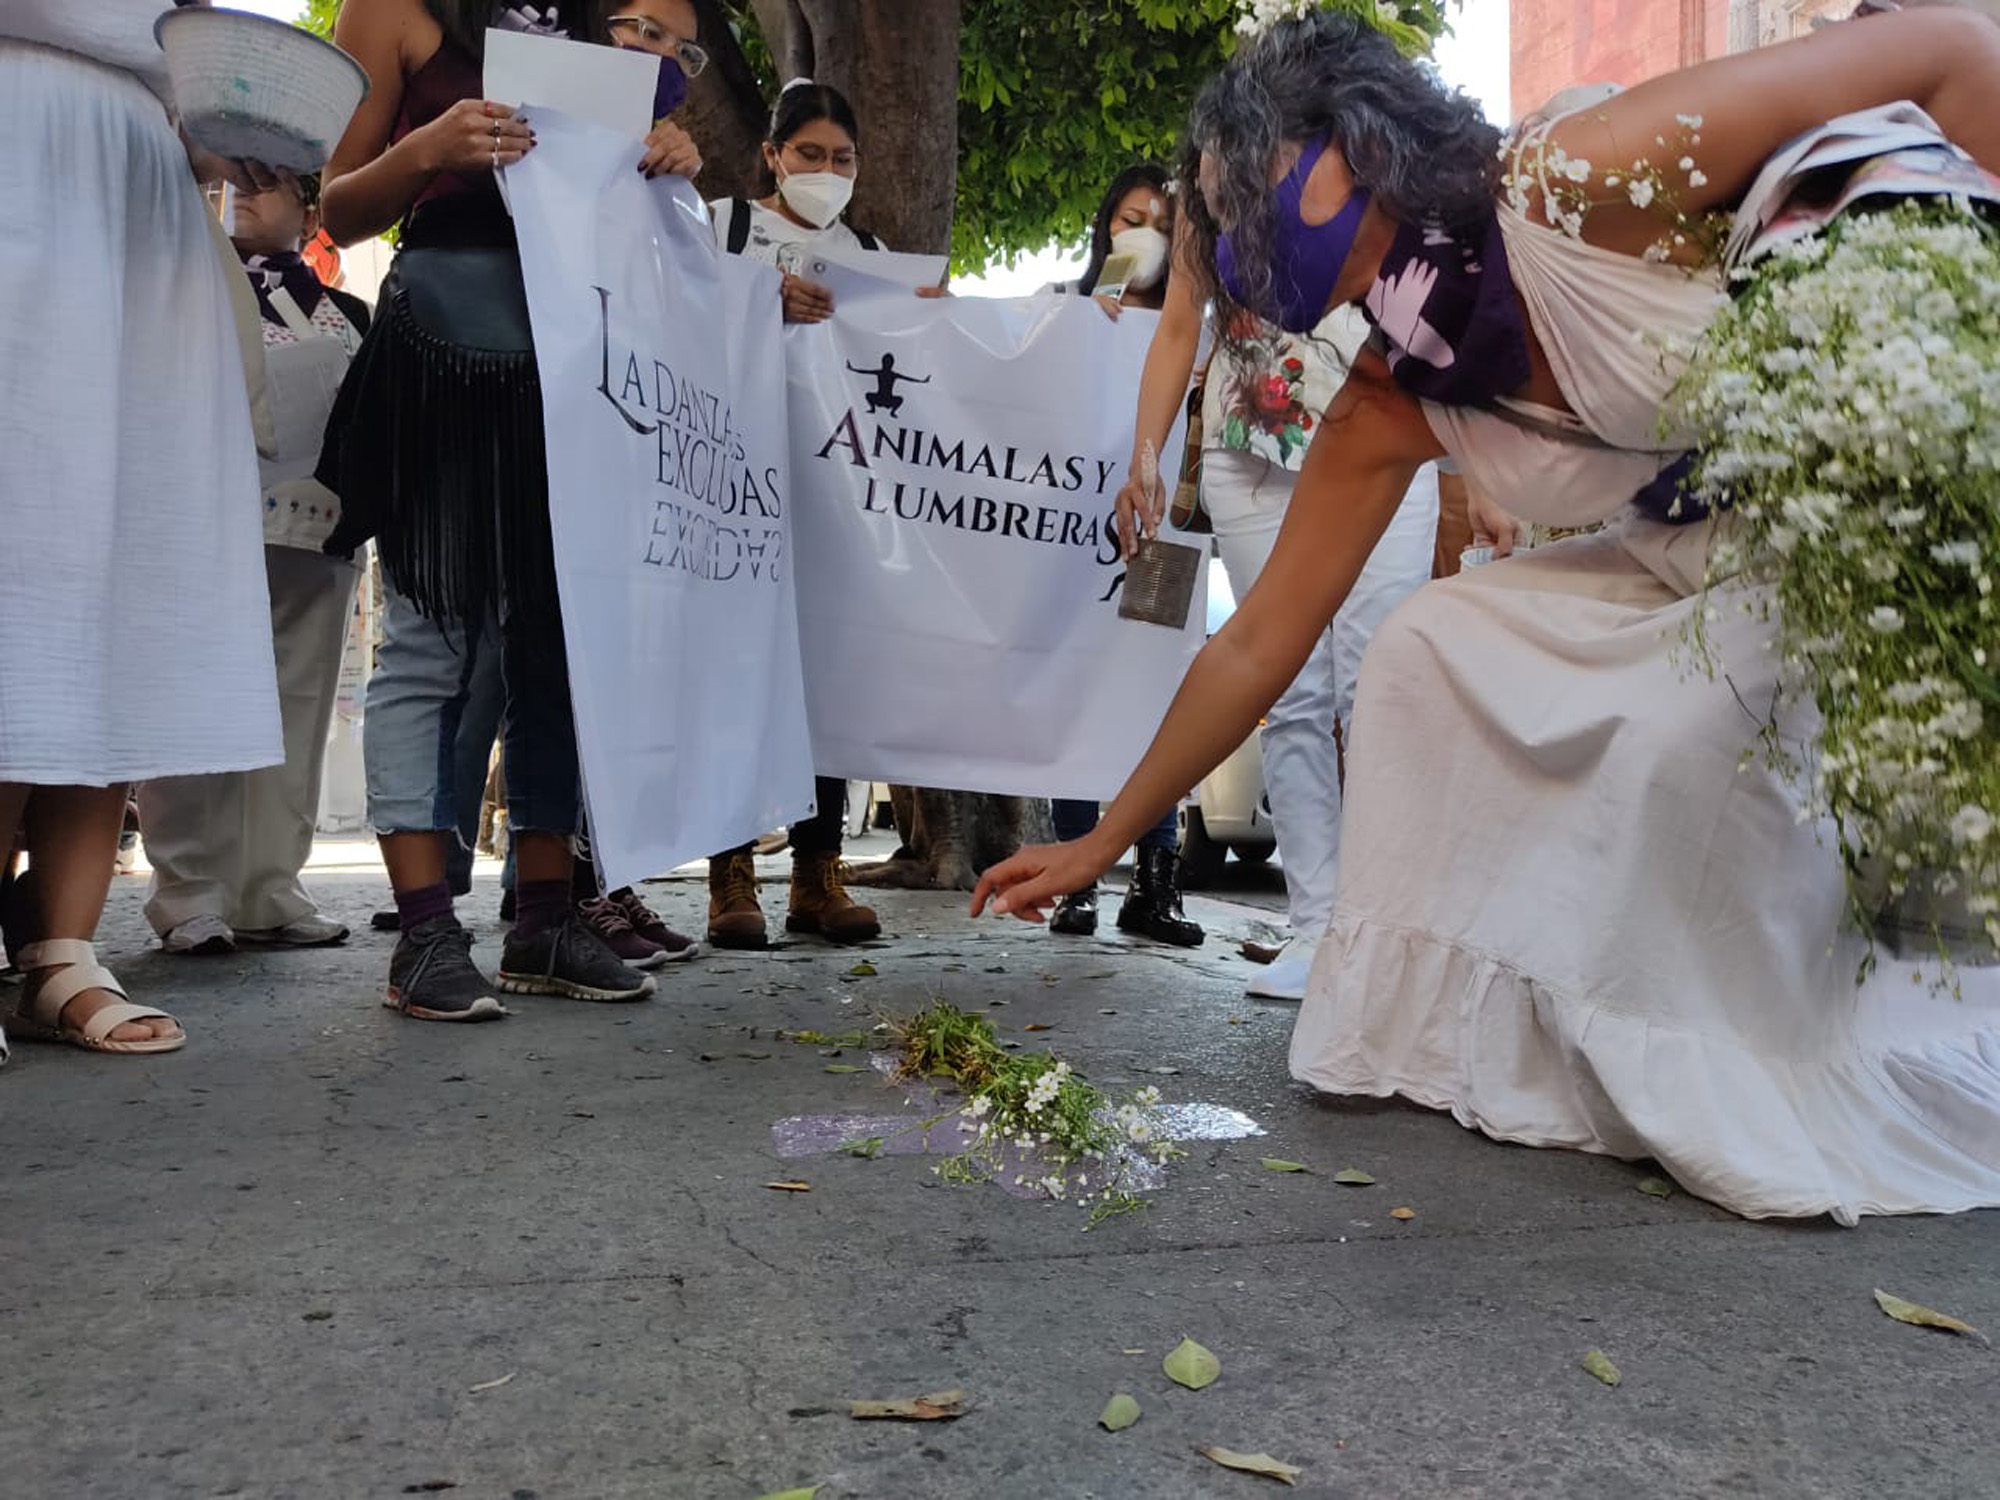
(135, 636)
(1571, 915)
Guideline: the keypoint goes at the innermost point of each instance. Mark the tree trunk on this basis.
(897, 62)
(950, 837)
(725, 113)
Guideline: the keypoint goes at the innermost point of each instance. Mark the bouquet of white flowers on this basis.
(1847, 408)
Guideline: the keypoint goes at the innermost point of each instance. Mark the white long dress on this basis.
(135, 637)
(1565, 915)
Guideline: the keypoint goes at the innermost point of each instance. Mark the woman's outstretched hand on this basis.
(1035, 879)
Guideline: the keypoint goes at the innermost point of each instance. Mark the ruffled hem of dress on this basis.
(1465, 1029)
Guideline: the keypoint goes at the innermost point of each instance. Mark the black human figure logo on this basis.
(884, 397)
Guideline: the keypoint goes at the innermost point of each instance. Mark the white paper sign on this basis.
(608, 86)
(956, 463)
(661, 367)
(908, 271)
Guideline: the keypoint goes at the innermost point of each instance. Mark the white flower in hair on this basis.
(539, 20)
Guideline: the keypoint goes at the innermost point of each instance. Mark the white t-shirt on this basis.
(771, 232)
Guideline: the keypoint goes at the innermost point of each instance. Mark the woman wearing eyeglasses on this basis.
(667, 29)
(810, 155)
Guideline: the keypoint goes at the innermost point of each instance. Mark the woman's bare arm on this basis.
(1945, 61)
(1359, 467)
(1169, 363)
(370, 184)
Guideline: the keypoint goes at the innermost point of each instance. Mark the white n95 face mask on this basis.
(1148, 249)
(817, 197)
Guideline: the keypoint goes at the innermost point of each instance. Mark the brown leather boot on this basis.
(821, 905)
(735, 920)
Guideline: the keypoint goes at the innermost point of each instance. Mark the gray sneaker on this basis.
(568, 960)
(432, 976)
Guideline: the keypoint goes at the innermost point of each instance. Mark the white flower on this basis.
(1885, 619)
(1698, 179)
(979, 1106)
(1971, 825)
(1956, 554)
(1688, 122)
(1576, 169)
(1640, 190)
(1686, 164)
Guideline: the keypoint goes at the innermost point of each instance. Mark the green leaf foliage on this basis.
(1057, 97)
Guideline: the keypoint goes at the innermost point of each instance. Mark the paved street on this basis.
(326, 1251)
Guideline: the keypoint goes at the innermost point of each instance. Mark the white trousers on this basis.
(232, 846)
(1246, 497)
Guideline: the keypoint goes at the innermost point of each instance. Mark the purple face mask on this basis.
(671, 92)
(1306, 259)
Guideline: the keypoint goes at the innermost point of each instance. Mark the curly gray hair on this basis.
(1425, 152)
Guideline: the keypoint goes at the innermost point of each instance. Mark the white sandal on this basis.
(77, 970)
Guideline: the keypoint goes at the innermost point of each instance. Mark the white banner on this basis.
(668, 491)
(956, 463)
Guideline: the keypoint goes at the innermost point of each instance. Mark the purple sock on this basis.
(426, 904)
(539, 905)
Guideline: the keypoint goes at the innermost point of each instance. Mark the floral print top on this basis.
(1267, 389)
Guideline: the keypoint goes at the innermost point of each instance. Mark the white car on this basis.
(1229, 813)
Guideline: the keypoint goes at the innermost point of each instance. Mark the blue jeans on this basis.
(434, 700)
(1074, 819)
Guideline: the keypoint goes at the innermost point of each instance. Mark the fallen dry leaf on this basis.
(1120, 1412)
(492, 1385)
(1191, 1365)
(804, 1494)
(581, 1114)
(1239, 1021)
(1131, 1351)
(1275, 1164)
(1916, 1314)
(844, 1068)
(940, 1406)
(1598, 1363)
(1353, 1177)
(1402, 1213)
(1656, 1187)
(1253, 1463)
(1039, 1026)
(790, 1187)
(1260, 953)
(862, 970)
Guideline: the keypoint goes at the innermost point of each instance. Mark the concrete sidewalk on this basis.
(284, 1262)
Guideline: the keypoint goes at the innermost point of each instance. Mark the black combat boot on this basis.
(1152, 907)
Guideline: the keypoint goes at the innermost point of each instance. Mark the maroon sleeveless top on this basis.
(449, 75)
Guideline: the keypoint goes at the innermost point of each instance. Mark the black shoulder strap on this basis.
(739, 226)
(868, 241)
